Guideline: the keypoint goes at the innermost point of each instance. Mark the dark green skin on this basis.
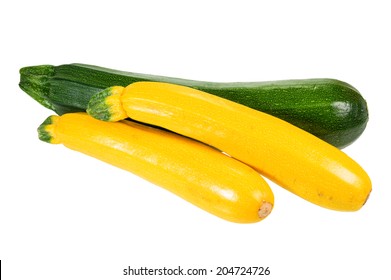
(327, 108)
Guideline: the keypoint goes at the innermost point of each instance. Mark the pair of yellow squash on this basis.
(228, 186)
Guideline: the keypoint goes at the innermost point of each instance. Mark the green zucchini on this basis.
(330, 109)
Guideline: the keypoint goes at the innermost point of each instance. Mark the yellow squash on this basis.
(291, 157)
(196, 172)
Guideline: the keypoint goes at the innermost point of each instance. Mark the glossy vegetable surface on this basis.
(330, 109)
(290, 156)
(196, 172)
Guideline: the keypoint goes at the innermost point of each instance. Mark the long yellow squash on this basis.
(194, 171)
(291, 157)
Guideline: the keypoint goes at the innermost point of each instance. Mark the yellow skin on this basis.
(291, 157)
(196, 172)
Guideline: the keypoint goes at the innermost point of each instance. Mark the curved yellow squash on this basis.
(291, 157)
(196, 172)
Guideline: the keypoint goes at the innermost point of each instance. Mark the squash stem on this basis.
(106, 105)
(33, 81)
(46, 131)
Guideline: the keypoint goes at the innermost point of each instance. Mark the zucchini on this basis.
(327, 108)
(210, 180)
(282, 152)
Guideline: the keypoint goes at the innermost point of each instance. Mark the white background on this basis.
(64, 215)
